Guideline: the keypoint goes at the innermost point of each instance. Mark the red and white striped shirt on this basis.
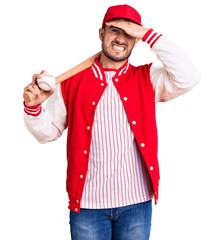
(117, 174)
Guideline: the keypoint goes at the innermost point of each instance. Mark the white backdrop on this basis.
(56, 35)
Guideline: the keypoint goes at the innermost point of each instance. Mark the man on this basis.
(109, 109)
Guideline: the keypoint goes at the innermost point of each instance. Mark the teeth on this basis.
(118, 48)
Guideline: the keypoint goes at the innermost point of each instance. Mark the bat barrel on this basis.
(75, 70)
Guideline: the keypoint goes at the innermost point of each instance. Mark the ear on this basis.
(101, 33)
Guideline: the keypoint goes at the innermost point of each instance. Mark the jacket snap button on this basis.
(76, 209)
(77, 201)
(125, 98)
(116, 79)
(142, 144)
(133, 122)
(102, 84)
(85, 152)
(88, 128)
(81, 176)
(151, 168)
(93, 103)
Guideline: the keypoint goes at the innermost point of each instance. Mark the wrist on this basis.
(32, 110)
(151, 37)
(144, 31)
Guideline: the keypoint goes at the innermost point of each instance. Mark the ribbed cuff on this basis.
(32, 110)
(151, 37)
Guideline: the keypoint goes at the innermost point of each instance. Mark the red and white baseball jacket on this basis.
(75, 102)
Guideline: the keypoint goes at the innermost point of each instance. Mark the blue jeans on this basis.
(131, 222)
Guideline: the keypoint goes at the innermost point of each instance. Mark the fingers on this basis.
(116, 23)
(30, 88)
(43, 71)
(37, 75)
(33, 95)
(34, 89)
(129, 27)
(38, 91)
(120, 23)
(49, 93)
(34, 78)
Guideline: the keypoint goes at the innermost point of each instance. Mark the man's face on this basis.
(116, 44)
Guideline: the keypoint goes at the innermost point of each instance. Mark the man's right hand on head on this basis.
(38, 95)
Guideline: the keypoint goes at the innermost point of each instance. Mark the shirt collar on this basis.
(99, 71)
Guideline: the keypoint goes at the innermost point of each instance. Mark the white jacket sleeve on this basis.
(48, 124)
(177, 76)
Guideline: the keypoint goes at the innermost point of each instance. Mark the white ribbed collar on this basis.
(98, 70)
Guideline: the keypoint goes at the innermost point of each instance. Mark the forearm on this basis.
(177, 76)
(47, 124)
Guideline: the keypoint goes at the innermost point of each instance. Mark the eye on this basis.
(115, 30)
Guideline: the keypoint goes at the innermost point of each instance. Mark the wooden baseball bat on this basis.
(28, 96)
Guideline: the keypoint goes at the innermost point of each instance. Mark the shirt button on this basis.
(142, 144)
(88, 128)
(102, 84)
(125, 98)
(81, 176)
(116, 79)
(76, 209)
(77, 201)
(133, 122)
(93, 103)
(151, 168)
(85, 152)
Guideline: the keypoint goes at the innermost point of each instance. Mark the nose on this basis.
(120, 40)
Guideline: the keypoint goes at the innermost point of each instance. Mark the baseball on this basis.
(47, 82)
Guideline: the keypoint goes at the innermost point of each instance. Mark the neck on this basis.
(105, 62)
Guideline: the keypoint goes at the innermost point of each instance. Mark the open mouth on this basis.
(118, 48)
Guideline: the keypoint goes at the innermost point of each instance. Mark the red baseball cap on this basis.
(122, 11)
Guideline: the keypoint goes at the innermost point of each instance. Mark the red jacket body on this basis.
(81, 94)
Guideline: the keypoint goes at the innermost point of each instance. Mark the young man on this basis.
(109, 109)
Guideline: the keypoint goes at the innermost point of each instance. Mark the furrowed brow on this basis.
(115, 27)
